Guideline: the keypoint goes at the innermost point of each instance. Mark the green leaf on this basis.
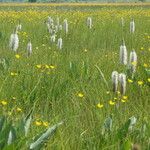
(11, 136)
(50, 131)
(133, 122)
(127, 145)
(4, 134)
(27, 122)
(107, 126)
(4, 63)
(147, 71)
(122, 133)
(2, 121)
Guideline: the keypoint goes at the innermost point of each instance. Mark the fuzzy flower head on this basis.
(17, 56)
(50, 21)
(133, 61)
(89, 22)
(53, 38)
(66, 26)
(132, 26)
(14, 41)
(29, 48)
(123, 54)
(59, 43)
(122, 79)
(114, 78)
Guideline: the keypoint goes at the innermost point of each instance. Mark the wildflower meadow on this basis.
(75, 76)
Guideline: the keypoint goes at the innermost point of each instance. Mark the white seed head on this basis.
(50, 20)
(133, 61)
(123, 54)
(59, 43)
(122, 79)
(89, 22)
(48, 26)
(29, 48)
(53, 38)
(10, 138)
(14, 41)
(66, 26)
(114, 78)
(132, 26)
(56, 28)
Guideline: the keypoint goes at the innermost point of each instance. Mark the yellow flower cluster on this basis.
(39, 66)
(41, 123)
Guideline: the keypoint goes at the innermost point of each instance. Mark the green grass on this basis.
(54, 96)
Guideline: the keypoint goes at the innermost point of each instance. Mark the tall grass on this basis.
(67, 85)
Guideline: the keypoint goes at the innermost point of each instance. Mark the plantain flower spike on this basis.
(114, 78)
(123, 54)
(14, 41)
(122, 80)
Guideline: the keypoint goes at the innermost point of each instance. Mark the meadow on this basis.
(69, 88)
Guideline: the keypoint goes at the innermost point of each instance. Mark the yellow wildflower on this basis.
(134, 63)
(19, 109)
(145, 65)
(39, 66)
(111, 102)
(3, 102)
(81, 95)
(140, 83)
(52, 67)
(45, 123)
(130, 81)
(38, 123)
(148, 79)
(123, 101)
(13, 74)
(100, 105)
(125, 97)
(46, 66)
(17, 56)
(142, 48)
